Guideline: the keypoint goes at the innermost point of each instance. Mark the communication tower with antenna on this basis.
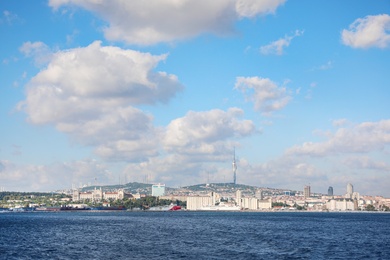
(234, 167)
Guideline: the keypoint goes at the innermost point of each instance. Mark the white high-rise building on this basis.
(238, 197)
(349, 188)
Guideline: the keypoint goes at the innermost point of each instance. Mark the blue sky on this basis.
(108, 92)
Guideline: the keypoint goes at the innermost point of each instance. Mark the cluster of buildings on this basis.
(259, 200)
(350, 201)
(213, 201)
(98, 195)
(218, 199)
(158, 190)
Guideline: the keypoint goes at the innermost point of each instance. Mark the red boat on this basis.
(175, 208)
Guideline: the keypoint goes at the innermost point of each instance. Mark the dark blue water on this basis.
(194, 235)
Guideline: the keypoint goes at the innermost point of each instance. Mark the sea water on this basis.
(194, 235)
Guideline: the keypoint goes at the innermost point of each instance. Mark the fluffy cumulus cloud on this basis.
(206, 132)
(278, 46)
(16, 177)
(90, 93)
(362, 138)
(194, 146)
(370, 31)
(149, 22)
(266, 95)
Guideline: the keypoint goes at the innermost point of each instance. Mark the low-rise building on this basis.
(342, 205)
(200, 202)
(97, 195)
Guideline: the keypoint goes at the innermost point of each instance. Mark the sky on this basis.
(110, 92)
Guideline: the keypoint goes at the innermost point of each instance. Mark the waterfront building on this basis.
(238, 197)
(249, 203)
(158, 190)
(97, 195)
(306, 191)
(252, 203)
(116, 195)
(341, 205)
(330, 191)
(200, 202)
(264, 204)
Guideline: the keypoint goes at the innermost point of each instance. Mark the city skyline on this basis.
(297, 91)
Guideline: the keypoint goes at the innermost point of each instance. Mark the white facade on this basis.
(249, 203)
(97, 195)
(265, 204)
(341, 205)
(238, 197)
(199, 202)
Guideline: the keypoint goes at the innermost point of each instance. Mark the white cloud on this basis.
(277, 46)
(340, 122)
(81, 82)
(251, 8)
(205, 133)
(284, 173)
(173, 170)
(193, 146)
(128, 150)
(14, 177)
(265, 94)
(326, 66)
(370, 31)
(9, 17)
(151, 22)
(350, 154)
(38, 50)
(89, 92)
(365, 162)
(363, 138)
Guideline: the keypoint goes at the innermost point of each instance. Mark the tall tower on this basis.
(234, 166)
(330, 191)
(349, 188)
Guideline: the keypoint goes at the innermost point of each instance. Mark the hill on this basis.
(143, 188)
